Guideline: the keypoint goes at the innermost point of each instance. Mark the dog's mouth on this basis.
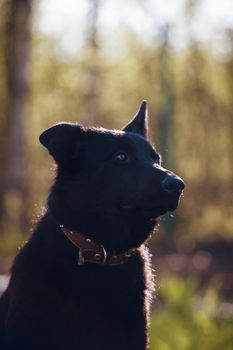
(151, 211)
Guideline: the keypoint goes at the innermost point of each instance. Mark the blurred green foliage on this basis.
(188, 320)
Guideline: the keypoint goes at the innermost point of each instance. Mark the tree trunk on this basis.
(3, 103)
(17, 58)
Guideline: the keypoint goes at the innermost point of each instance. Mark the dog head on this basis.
(110, 184)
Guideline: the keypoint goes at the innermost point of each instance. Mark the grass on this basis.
(186, 320)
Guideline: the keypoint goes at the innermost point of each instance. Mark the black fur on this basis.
(51, 302)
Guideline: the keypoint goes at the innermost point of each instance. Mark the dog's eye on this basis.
(120, 157)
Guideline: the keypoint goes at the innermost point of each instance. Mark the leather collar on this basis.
(92, 252)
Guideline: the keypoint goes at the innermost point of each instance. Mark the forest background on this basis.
(93, 62)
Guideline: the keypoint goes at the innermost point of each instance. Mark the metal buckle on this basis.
(98, 256)
(105, 255)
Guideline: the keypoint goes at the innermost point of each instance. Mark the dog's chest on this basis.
(105, 313)
(102, 322)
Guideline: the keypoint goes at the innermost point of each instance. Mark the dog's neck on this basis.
(91, 252)
(117, 233)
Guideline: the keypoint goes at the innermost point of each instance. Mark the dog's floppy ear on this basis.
(62, 141)
(138, 124)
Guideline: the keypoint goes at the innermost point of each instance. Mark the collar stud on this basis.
(97, 257)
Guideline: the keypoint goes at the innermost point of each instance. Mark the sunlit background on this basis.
(93, 61)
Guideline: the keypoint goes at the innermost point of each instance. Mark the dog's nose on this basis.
(172, 184)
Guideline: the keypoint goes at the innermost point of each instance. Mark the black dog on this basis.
(83, 280)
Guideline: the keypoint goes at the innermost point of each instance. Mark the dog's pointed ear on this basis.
(62, 141)
(139, 122)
